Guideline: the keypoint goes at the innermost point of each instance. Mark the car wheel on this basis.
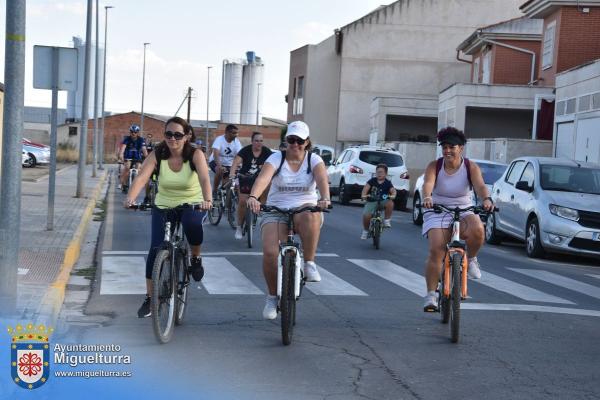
(533, 244)
(343, 195)
(31, 161)
(401, 199)
(417, 213)
(492, 236)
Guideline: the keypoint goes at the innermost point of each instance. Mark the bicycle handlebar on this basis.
(142, 206)
(440, 208)
(293, 211)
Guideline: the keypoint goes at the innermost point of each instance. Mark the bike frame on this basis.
(284, 248)
(455, 246)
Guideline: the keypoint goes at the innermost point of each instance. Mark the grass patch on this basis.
(99, 215)
(87, 273)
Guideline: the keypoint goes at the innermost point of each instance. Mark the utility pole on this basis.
(143, 84)
(104, 87)
(96, 84)
(189, 98)
(86, 99)
(207, 105)
(10, 192)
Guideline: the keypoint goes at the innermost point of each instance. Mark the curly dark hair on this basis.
(445, 133)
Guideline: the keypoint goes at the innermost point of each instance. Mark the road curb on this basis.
(53, 298)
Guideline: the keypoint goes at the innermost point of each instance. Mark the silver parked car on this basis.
(490, 170)
(552, 204)
(38, 154)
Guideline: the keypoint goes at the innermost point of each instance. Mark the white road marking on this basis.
(562, 281)
(221, 277)
(594, 276)
(529, 307)
(124, 253)
(208, 254)
(331, 285)
(123, 275)
(518, 290)
(394, 273)
(23, 271)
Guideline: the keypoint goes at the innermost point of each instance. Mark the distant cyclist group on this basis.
(293, 177)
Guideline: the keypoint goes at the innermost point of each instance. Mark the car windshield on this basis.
(491, 172)
(565, 178)
(380, 157)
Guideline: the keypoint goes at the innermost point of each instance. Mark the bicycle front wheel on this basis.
(288, 298)
(232, 211)
(163, 296)
(183, 282)
(455, 263)
(215, 213)
(376, 224)
(249, 226)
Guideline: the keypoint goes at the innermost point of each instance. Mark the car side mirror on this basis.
(523, 185)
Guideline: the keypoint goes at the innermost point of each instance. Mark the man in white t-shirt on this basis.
(224, 150)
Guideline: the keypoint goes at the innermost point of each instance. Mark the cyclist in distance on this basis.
(224, 149)
(132, 148)
(381, 186)
(251, 158)
(294, 175)
(448, 182)
(182, 178)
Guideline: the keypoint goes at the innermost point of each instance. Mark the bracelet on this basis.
(325, 200)
(253, 197)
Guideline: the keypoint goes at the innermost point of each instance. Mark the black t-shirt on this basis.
(382, 188)
(251, 165)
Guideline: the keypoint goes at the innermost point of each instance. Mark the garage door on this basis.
(565, 143)
(587, 145)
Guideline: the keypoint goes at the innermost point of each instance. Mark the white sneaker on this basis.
(238, 233)
(431, 302)
(387, 223)
(119, 186)
(311, 272)
(270, 310)
(474, 272)
(364, 235)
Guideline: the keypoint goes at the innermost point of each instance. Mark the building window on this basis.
(299, 96)
(294, 98)
(476, 70)
(487, 64)
(548, 53)
(72, 131)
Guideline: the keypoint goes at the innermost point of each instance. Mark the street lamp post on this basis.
(101, 148)
(257, 100)
(207, 105)
(143, 84)
(96, 84)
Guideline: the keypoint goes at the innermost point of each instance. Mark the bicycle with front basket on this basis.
(170, 274)
(452, 286)
(290, 276)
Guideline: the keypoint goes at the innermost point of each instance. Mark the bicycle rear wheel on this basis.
(163, 296)
(249, 226)
(455, 263)
(376, 225)
(288, 298)
(183, 281)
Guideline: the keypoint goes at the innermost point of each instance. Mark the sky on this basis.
(186, 37)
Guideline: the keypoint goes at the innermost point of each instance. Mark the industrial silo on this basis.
(75, 98)
(252, 90)
(231, 92)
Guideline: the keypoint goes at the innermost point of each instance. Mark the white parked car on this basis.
(37, 153)
(326, 153)
(356, 165)
(491, 171)
(25, 159)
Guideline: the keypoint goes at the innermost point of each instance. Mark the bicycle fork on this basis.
(456, 246)
(297, 270)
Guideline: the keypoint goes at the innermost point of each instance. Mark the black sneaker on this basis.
(197, 269)
(145, 311)
(146, 201)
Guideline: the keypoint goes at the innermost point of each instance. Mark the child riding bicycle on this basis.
(376, 188)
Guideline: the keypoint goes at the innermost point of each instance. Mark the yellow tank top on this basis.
(176, 188)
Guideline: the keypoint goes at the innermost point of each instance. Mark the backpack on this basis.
(192, 166)
(440, 162)
(308, 170)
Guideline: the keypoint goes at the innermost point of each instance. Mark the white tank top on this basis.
(452, 190)
(291, 189)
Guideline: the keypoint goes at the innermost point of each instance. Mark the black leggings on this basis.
(192, 226)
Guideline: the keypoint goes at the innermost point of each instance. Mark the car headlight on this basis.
(564, 212)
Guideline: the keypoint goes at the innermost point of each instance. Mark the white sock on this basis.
(431, 293)
(472, 258)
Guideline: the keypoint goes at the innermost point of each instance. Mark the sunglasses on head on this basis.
(295, 139)
(176, 135)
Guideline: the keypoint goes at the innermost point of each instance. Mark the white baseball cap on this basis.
(297, 128)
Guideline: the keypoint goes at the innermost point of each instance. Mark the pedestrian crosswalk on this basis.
(239, 273)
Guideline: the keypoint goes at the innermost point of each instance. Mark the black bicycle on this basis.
(376, 223)
(170, 274)
(290, 275)
(452, 285)
(249, 225)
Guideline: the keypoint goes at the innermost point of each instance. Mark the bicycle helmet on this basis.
(134, 128)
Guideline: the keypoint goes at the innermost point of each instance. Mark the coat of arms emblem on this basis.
(30, 355)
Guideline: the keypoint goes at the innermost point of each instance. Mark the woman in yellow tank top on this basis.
(183, 178)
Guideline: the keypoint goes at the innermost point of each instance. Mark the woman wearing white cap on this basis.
(294, 174)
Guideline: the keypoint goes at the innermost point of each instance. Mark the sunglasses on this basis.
(258, 141)
(176, 135)
(295, 139)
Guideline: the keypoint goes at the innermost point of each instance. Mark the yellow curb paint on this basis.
(55, 294)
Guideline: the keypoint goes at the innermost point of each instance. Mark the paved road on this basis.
(530, 330)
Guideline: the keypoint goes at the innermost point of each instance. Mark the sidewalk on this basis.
(47, 257)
